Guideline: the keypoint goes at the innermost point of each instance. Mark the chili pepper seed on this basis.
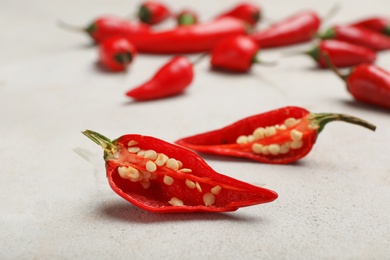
(208, 199)
(190, 184)
(168, 180)
(176, 202)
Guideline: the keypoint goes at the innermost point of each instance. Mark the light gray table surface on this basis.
(333, 204)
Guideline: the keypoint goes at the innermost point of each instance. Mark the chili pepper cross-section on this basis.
(279, 136)
(161, 177)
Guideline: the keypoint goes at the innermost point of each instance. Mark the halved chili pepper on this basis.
(116, 53)
(161, 177)
(237, 54)
(298, 28)
(342, 54)
(186, 17)
(280, 136)
(171, 79)
(359, 36)
(246, 12)
(153, 12)
(378, 24)
(200, 37)
(367, 83)
(109, 26)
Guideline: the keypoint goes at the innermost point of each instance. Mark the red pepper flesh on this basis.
(171, 79)
(116, 53)
(200, 37)
(378, 24)
(152, 12)
(161, 177)
(246, 12)
(297, 28)
(280, 136)
(359, 36)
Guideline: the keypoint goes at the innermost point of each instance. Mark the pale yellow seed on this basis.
(290, 122)
(216, 190)
(274, 149)
(172, 164)
(251, 138)
(190, 184)
(180, 164)
(161, 159)
(296, 135)
(145, 184)
(257, 148)
(270, 130)
(168, 180)
(296, 144)
(141, 152)
(122, 170)
(132, 142)
(150, 154)
(208, 199)
(176, 202)
(242, 139)
(285, 148)
(128, 172)
(259, 133)
(282, 127)
(185, 170)
(151, 166)
(265, 150)
(197, 185)
(133, 149)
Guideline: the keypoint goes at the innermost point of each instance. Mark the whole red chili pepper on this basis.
(186, 17)
(116, 53)
(279, 137)
(109, 26)
(367, 83)
(200, 37)
(378, 24)
(246, 12)
(171, 79)
(152, 12)
(341, 54)
(161, 177)
(359, 36)
(298, 28)
(237, 54)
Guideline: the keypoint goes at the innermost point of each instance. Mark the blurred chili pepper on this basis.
(116, 53)
(186, 17)
(152, 12)
(171, 79)
(246, 12)
(378, 24)
(200, 37)
(279, 136)
(109, 26)
(359, 36)
(162, 177)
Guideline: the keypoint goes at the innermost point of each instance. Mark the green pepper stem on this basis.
(330, 64)
(108, 146)
(323, 118)
(69, 27)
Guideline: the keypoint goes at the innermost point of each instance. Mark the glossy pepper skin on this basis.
(359, 36)
(298, 28)
(246, 12)
(152, 12)
(342, 54)
(171, 79)
(162, 177)
(378, 24)
(280, 136)
(236, 54)
(197, 38)
(116, 53)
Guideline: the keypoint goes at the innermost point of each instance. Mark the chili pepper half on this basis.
(246, 12)
(186, 17)
(200, 37)
(341, 54)
(110, 26)
(171, 79)
(161, 177)
(237, 54)
(116, 53)
(378, 24)
(152, 12)
(298, 28)
(359, 36)
(280, 136)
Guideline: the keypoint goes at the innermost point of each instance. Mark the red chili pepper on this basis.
(116, 53)
(359, 36)
(200, 37)
(378, 24)
(237, 53)
(161, 177)
(152, 12)
(341, 54)
(246, 12)
(367, 83)
(109, 26)
(279, 137)
(186, 17)
(172, 79)
(297, 28)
